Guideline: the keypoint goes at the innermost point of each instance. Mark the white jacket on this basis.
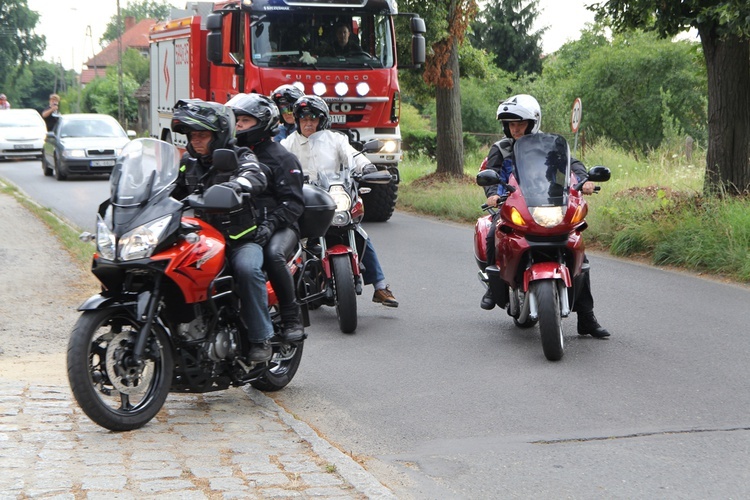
(324, 151)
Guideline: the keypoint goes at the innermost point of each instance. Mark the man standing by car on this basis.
(51, 113)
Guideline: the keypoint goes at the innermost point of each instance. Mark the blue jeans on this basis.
(247, 266)
(373, 273)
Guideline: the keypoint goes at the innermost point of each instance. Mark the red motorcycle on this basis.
(539, 251)
(333, 276)
(167, 318)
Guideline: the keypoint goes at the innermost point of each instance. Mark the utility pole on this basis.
(120, 110)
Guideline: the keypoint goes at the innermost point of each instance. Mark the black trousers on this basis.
(277, 252)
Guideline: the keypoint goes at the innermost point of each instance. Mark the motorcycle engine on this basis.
(195, 330)
(224, 345)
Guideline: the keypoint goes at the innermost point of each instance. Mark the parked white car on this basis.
(22, 134)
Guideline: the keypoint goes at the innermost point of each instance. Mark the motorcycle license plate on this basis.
(102, 163)
(338, 118)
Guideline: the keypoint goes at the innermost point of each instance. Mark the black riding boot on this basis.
(488, 301)
(588, 325)
(291, 323)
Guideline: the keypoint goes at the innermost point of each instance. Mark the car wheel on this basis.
(59, 174)
(45, 167)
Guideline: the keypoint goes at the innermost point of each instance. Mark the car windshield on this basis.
(314, 41)
(543, 169)
(93, 127)
(144, 169)
(10, 119)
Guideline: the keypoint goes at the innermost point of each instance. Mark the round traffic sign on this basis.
(575, 116)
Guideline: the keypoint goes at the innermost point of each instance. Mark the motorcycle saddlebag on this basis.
(318, 214)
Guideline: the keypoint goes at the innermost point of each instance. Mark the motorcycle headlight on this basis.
(343, 204)
(105, 240)
(547, 216)
(141, 241)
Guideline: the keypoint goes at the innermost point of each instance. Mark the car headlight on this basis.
(141, 242)
(547, 216)
(74, 153)
(105, 240)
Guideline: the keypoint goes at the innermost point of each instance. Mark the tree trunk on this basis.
(728, 155)
(450, 146)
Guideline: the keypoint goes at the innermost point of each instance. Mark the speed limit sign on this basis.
(575, 116)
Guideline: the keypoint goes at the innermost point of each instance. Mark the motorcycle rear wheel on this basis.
(346, 293)
(285, 362)
(115, 396)
(550, 322)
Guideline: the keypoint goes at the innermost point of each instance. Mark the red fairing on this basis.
(358, 210)
(481, 229)
(193, 266)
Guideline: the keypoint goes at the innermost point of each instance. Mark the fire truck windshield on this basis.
(319, 41)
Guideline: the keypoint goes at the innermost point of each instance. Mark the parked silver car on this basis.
(83, 144)
(22, 133)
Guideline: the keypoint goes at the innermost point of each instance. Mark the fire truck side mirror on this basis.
(214, 39)
(418, 50)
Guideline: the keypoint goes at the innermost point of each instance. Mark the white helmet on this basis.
(518, 108)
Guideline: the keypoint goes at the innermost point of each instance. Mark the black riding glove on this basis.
(234, 185)
(263, 234)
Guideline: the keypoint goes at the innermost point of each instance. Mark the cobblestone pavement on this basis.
(228, 444)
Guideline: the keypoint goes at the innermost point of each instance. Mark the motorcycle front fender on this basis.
(339, 250)
(544, 271)
(100, 301)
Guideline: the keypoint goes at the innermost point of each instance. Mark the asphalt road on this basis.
(441, 399)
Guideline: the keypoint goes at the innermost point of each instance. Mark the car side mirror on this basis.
(132, 134)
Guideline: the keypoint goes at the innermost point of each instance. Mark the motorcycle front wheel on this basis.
(284, 364)
(550, 322)
(346, 294)
(112, 392)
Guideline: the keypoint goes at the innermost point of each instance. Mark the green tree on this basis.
(135, 65)
(19, 45)
(102, 94)
(447, 22)
(724, 29)
(504, 29)
(143, 9)
(40, 79)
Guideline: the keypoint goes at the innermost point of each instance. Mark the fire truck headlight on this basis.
(319, 88)
(341, 89)
(389, 147)
(363, 89)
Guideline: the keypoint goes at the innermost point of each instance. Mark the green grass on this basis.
(652, 207)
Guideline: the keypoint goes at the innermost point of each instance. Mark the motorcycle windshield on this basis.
(144, 169)
(543, 169)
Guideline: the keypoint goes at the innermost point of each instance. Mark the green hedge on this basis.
(424, 142)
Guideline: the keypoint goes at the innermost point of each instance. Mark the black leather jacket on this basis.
(236, 226)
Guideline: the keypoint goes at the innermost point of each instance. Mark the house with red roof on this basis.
(135, 36)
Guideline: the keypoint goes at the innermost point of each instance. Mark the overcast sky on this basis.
(67, 24)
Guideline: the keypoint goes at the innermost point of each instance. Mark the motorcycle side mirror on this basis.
(216, 197)
(488, 178)
(225, 160)
(372, 146)
(599, 174)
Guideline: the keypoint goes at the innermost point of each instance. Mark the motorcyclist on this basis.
(285, 96)
(319, 148)
(521, 115)
(282, 204)
(210, 126)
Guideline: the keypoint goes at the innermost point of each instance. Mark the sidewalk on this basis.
(236, 443)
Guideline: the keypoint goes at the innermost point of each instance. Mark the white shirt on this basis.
(324, 151)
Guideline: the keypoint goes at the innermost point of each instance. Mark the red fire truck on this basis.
(257, 45)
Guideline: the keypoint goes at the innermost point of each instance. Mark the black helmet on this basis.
(262, 109)
(286, 95)
(311, 105)
(197, 114)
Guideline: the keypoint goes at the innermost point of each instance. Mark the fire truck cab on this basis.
(257, 45)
